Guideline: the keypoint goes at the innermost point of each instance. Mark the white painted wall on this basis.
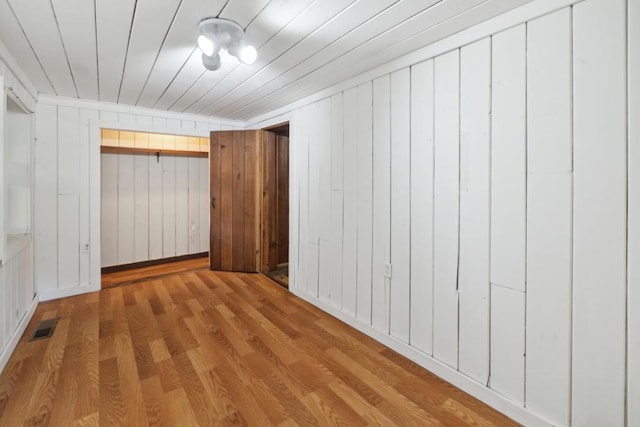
(496, 165)
(17, 294)
(153, 208)
(68, 188)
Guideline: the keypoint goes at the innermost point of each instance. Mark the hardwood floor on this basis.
(205, 348)
(127, 277)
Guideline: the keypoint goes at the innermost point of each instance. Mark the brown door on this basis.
(235, 200)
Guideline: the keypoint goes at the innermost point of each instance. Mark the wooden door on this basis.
(235, 195)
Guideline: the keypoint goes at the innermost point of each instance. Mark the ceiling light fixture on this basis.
(218, 34)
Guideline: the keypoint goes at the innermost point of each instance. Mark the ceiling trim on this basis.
(520, 15)
(131, 109)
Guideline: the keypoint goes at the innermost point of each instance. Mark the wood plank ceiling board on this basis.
(144, 53)
(353, 15)
(40, 26)
(432, 25)
(145, 42)
(355, 26)
(113, 26)
(244, 12)
(271, 21)
(188, 75)
(77, 23)
(302, 26)
(14, 38)
(177, 47)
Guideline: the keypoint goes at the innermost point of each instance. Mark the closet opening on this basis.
(154, 204)
(275, 204)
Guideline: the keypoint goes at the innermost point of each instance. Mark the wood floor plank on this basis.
(196, 347)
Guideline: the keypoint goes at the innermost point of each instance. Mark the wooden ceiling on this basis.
(143, 52)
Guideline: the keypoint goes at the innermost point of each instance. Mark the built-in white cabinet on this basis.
(16, 174)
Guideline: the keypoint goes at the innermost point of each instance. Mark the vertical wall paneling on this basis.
(337, 165)
(204, 204)
(119, 213)
(335, 282)
(68, 237)
(633, 261)
(502, 194)
(194, 204)
(46, 195)
(475, 174)
(126, 214)
(168, 206)
(109, 209)
(155, 208)
(365, 206)
(85, 156)
(68, 150)
(508, 164)
(314, 124)
(507, 342)
(446, 208)
(400, 203)
(324, 207)
(251, 200)
(68, 192)
(599, 227)
(508, 210)
(337, 141)
(350, 220)
(141, 207)
(549, 212)
(182, 205)
(381, 251)
(303, 191)
(422, 129)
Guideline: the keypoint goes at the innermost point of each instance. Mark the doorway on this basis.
(275, 204)
(249, 206)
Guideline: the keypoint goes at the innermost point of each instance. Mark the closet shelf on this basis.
(147, 151)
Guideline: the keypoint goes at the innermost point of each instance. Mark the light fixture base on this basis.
(218, 34)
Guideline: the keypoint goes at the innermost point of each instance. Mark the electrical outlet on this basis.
(387, 270)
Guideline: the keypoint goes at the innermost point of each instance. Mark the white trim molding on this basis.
(130, 109)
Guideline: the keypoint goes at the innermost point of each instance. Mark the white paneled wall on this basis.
(492, 178)
(17, 299)
(68, 163)
(17, 294)
(145, 218)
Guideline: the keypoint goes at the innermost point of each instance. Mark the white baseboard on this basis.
(17, 334)
(477, 390)
(47, 295)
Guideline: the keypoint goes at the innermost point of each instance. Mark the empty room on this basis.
(307, 212)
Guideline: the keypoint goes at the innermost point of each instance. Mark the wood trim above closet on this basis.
(132, 150)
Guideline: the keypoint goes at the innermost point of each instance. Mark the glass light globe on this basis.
(248, 54)
(206, 45)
